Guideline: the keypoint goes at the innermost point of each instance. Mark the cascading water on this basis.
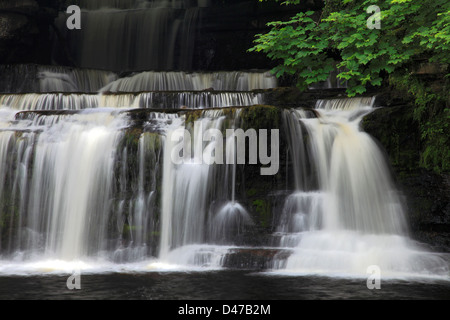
(147, 100)
(36, 78)
(231, 216)
(80, 184)
(87, 174)
(93, 183)
(56, 101)
(191, 217)
(64, 166)
(139, 210)
(347, 214)
(79, 190)
(72, 179)
(178, 81)
(134, 35)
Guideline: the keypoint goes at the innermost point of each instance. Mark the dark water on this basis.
(215, 285)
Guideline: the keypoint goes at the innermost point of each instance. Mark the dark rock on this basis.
(39, 42)
(25, 30)
(428, 204)
(256, 258)
(11, 24)
(427, 194)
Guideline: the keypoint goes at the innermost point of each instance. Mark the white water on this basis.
(231, 218)
(185, 193)
(191, 219)
(179, 81)
(155, 100)
(133, 36)
(63, 177)
(355, 218)
(26, 79)
(65, 202)
(63, 180)
(41, 78)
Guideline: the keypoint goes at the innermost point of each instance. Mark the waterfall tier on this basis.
(49, 79)
(347, 215)
(91, 179)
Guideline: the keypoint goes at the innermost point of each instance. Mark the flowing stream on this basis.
(349, 216)
(88, 180)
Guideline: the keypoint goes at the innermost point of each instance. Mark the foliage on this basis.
(309, 44)
(432, 112)
(260, 117)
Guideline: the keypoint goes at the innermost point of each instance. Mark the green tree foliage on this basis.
(311, 44)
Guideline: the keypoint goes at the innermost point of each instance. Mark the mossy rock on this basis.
(260, 117)
(192, 116)
(398, 133)
(263, 210)
(152, 141)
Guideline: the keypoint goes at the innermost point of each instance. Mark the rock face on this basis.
(26, 37)
(25, 30)
(31, 33)
(256, 259)
(231, 28)
(427, 194)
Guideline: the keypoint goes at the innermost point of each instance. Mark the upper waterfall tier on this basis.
(45, 79)
(179, 81)
(148, 100)
(176, 35)
(38, 78)
(345, 104)
(134, 4)
(346, 213)
(132, 35)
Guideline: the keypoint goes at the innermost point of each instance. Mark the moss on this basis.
(436, 154)
(127, 231)
(229, 112)
(398, 134)
(152, 140)
(263, 210)
(251, 192)
(192, 116)
(260, 117)
(132, 136)
(9, 217)
(430, 108)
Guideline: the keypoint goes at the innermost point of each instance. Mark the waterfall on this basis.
(101, 4)
(62, 185)
(54, 101)
(231, 216)
(348, 215)
(133, 35)
(72, 184)
(136, 213)
(185, 191)
(129, 4)
(79, 186)
(182, 81)
(85, 178)
(28, 79)
(197, 206)
(37, 78)
(81, 181)
(147, 100)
